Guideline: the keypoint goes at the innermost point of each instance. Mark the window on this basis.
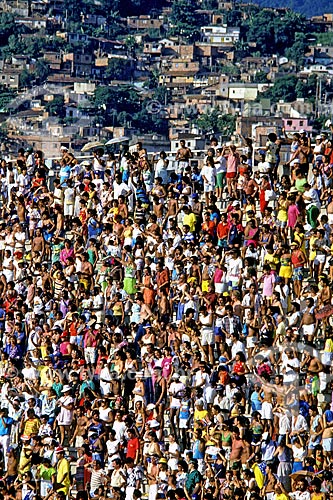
(301, 123)
(289, 122)
(188, 144)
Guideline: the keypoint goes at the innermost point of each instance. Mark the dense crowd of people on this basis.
(165, 329)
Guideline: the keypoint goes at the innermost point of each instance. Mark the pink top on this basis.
(166, 366)
(268, 286)
(218, 275)
(232, 164)
(293, 214)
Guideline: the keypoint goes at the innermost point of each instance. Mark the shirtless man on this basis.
(172, 208)
(82, 423)
(86, 272)
(142, 152)
(122, 207)
(60, 220)
(152, 476)
(237, 447)
(205, 276)
(158, 210)
(195, 271)
(309, 322)
(183, 156)
(330, 212)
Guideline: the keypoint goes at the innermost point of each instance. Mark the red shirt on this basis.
(132, 446)
(222, 230)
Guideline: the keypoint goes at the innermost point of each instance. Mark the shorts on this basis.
(205, 285)
(68, 210)
(183, 423)
(207, 336)
(90, 355)
(208, 188)
(327, 444)
(319, 259)
(281, 223)
(231, 175)
(220, 179)
(298, 274)
(218, 331)
(266, 411)
(313, 443)
(308, 329)
(223, 243)
(286, 272)
(219, 287)
(251, 342)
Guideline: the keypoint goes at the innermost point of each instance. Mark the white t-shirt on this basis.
(221, 165)
(209, 174)
(65, 416)
(176, 391)
(120, 189)
(290, 375)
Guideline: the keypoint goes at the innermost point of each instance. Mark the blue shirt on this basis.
(2, 318)
(64, 174)
(5, 431)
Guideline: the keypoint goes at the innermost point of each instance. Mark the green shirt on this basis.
(299, 184)
(193, 478)
(46, 472)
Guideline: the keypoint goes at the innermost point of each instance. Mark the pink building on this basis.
(296, 124)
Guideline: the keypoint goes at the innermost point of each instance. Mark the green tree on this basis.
(215, 122)
(118, 69)
(260, 77)
(306, 89)
(297, 51)
(112, 102)
(7, 27)
(283, 88)
(56, 106)
(273, 32)
(185, 20)
(26, 78)
(42, 70)
(6, 97)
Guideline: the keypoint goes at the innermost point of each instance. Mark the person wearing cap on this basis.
(189, 219)
(31, 424)
(65, 416)
(63, 471)
(193, 480)
(298, 260)
(47, 475)
(176, 391)
(208, 173)
(5, 431)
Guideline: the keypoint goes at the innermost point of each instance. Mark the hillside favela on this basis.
(166, 250)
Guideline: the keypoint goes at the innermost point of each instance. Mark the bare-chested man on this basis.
(82, 423)
(309, 322)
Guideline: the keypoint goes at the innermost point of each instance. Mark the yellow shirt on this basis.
(199, 415)
(299, 238)
(272, 260)
(31, 426)
(190, 220)
(282, 496)
(45, 378)
(62, 469)
(25, 460)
